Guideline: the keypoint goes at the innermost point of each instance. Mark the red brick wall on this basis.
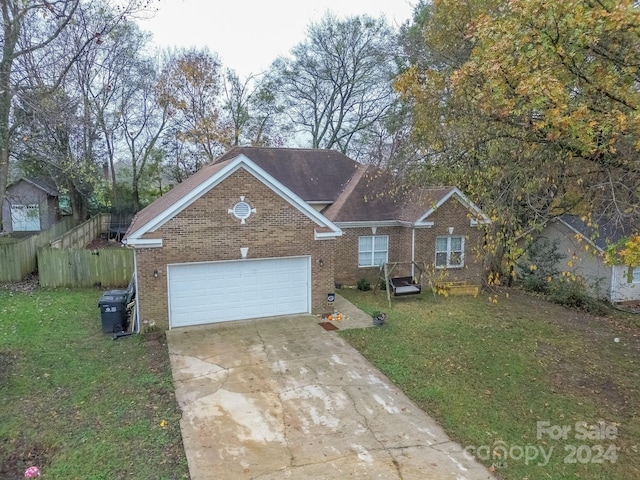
(347, 270)
(451, 214)
(205, 231)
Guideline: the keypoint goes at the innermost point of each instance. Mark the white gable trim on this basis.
(143, 242)
(370, 224)
(481, 220)
(384, 223)
(241, 161)
(326, 235)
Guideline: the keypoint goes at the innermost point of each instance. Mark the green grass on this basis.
(489, 372)
(78, 404)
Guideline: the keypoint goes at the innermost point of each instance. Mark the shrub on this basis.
(573, 293)
(542, 260)
(364, 284)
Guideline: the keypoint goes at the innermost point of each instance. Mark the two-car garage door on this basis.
(213, 292)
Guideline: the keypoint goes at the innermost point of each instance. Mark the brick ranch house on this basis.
(270, 231)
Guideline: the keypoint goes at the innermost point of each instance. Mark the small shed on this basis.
(30, 205)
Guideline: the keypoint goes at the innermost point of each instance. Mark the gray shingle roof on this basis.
(356, 193)
(314, 175)
(605, 233)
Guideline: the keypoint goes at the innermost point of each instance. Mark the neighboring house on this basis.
(268, 231)
(30, 205)
(583, 248)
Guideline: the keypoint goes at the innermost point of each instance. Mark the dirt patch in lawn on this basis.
(583, 373)
(98, 243)
(28, 285)
(570, 376)
(16, 455)
(7, 361)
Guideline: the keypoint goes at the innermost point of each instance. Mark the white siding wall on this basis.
(622, 290)
(587, 263)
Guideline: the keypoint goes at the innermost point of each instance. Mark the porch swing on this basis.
(401, 285)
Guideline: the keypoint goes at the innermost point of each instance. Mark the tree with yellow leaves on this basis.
(531, 106)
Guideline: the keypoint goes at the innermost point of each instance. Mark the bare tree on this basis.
(237, 96)
(252, 110)
(337, 83)
(29, 29)
(143, 121)
(113, 66)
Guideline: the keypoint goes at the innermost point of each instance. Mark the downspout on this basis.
(135, 275)
(413, 252)
(612, 290)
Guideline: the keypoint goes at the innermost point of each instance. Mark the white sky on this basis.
(249, 34)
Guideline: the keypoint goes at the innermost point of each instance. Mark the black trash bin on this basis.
(129, 292)
(113, 312)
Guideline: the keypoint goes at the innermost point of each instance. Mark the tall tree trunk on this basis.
(10, 36)
(78, 204)
(135, 193)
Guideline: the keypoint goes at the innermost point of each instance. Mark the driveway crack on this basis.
(281, 403)
(365, 420)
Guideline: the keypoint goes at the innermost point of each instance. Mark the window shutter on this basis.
(630, 275)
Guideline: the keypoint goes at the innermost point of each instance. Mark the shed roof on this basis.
(39, 183)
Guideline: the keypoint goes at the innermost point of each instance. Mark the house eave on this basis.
(422, 224)
(241, 161)
(478, 223)
(142, 242)
(370, 223)
(326, 235)
(468, 204)
(385, 223)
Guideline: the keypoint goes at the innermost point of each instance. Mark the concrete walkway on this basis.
(283, 398)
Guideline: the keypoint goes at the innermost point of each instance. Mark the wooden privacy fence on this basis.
(17, 260)
(65, 267)
(83, 234)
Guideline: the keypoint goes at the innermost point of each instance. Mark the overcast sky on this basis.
(249, 34)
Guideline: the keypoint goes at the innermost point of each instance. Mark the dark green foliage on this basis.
(364, 284)
(541, 263)
(573, 293)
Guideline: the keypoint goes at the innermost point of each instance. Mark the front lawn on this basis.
(76, 403)
(513, 381)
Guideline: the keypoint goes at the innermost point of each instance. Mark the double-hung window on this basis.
(373, 250)
(635, 275)
(449, 252)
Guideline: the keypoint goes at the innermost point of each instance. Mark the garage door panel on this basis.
(223, 291)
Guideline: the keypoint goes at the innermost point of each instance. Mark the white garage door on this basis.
(223, 291)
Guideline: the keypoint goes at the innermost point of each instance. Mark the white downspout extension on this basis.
(413, 252)
(135, 276)
(612, 292)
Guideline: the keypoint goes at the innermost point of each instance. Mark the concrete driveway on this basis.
(283, 398)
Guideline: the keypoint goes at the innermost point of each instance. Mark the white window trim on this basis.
(448, 252)
(373, 250)
(635, 275)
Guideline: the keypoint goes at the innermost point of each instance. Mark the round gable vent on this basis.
(241, 210)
